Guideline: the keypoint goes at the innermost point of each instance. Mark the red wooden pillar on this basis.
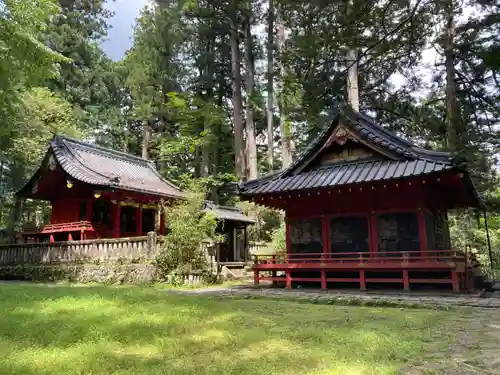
(138, 221)
(326, 248)
(421, 231)
(325, 237)
(373, 232)
(116, 221)
(288, 276)
(287, 236)
(256, 278)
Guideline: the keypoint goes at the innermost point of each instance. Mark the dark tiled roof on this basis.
(99, 166)
(228, 213)
(407, 160)
(350, 173)
(373, 133)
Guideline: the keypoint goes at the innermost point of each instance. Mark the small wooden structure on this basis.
(232, 224)
(365, 206)
(97, 192)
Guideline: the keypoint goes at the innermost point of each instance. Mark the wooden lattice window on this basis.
(398, 232)
(305, 236)
(349, 234)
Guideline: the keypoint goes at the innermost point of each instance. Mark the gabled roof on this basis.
(227, 213)
(398, 158)
(106, 168)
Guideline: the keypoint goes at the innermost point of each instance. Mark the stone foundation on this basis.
(83, 273)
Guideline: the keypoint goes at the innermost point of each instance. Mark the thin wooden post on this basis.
(274, 271)
(362, 280)
(246, 248)
(256, 279)
(287, 236)
(454, 281)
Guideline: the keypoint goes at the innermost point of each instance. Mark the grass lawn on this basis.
(132, 330)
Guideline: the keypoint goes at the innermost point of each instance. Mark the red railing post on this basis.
(362, 280)
(323, 279)
(288, 279)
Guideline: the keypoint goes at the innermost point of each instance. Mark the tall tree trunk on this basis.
(352, 80)
(146, 138)
(352, 71)
(270, 85)
(207, 75)
(251, 142)
(214, 194)
(453, 120)
(197, 162)
(126, 136)
(16, 217)
(286, 133)
(239, 150)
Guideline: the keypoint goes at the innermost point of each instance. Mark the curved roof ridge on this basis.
(62, 139)
(95, 146)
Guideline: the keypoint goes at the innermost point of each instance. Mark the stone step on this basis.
(495, 286)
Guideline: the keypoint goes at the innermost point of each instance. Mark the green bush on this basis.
(187, 228)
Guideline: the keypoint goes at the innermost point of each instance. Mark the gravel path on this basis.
(475, 349)
(388, 297)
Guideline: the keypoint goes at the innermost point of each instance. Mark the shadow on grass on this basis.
(131, 330)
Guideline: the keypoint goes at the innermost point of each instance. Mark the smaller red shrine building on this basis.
(365, 206)
(96, 192)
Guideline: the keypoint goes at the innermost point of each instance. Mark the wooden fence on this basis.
(92, 251)
(87, 251)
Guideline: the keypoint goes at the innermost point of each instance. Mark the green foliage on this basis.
(467, 231)
(24, 60)
(188, 228)
(267, 221)
(278, 240)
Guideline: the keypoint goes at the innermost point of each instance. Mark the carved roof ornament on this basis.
(342, 135)
(52, 163)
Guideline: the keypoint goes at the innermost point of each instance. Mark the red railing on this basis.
(76, 226)
(381, 257)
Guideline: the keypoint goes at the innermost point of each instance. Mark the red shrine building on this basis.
(97, 192)
(366, 207)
